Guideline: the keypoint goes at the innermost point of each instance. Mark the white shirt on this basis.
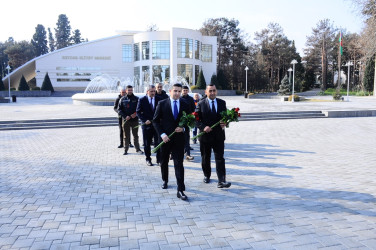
(173, 104)
(215, 104)
(153, 102)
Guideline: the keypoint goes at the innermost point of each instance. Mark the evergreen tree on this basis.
(201, 83)
(214, 80)
(23, 84)
(76, 38)
(284, 88)
(51, 40)
(39, 40)
(2, 87)
(47, 85)
(369, 74)
(222, 80)
(62, 32)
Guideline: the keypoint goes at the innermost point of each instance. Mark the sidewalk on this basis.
(296, 184)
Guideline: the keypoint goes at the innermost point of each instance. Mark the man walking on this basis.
(191, 103)
(122, 93)
(209, 110)
(166, 120)
(160, 92)
(145, 111)
(127, 110)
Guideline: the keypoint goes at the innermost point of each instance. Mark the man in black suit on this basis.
(166, 120)
(122, 93)
(145, 111)
(209, 110)
(191, 103)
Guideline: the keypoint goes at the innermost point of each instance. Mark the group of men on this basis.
(160, 115)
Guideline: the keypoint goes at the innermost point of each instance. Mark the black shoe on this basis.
(120, 146)
(206, 179)
(164, 185)
(130, 145)
(191, 148)
(149, 163)
(125, 153)
(224, 184)
(181, 195)
(194, 142)
(139, 152)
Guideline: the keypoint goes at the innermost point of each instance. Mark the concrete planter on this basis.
(36, 93)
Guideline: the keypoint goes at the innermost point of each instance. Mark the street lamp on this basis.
(289, 70)
(8, 68)
(348, 64)
(246, 82)
(293, 62)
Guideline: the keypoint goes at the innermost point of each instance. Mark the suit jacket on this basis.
(208, 118)
(144, 111)
(164, 121)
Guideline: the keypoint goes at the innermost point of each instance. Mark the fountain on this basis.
(103, 89)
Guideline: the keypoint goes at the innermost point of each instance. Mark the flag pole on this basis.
(339, 60)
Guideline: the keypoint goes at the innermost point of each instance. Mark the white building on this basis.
(144, 56)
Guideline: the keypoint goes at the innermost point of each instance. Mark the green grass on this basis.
(343, 92)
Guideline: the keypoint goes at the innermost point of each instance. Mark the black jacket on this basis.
(162, 96)
(127, 106)
(190, 101)
(207, 118)
(144, 111)
(117, 104)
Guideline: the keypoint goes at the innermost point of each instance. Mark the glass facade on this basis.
(145, 74)
(185, 48)
(161, 49)
(197, 49)
(136, 50)
(136, 75)
(127, 52)
(185, 70)
(206, 53)
(145, 51)
(197, 72)
(161, 73)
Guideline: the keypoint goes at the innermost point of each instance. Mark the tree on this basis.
(214, 80)
(2, 87)
(76, 38)
(47, 85)
(222, 80)
(284, 88)
(19, 53)
(63, 32)
(51, 40)
(369, 75)
(201, 83)
(319, 45)
(39, 40)
(22, 86)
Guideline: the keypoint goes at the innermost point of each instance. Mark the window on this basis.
(145, 51)
(197, 49)
(185, 48)
(197, 73)
(161, 73)
(206, 53)
(136, 78)
(127, 52)
(145, 74)
(185, 70)
(161, 49)
(136, 49)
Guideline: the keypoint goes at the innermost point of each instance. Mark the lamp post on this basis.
(246, 82)
(289, 70)
(348, 64)
(8, 68)
(293, 62)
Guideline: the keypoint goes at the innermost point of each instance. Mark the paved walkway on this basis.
(302, 184)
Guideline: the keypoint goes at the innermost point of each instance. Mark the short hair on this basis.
(122, 88)
(129, 87)
(151, 86)
(176, 85)
(211, 85)
(185, 87)
(159, 83)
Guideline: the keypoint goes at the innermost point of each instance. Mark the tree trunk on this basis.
(324, 64)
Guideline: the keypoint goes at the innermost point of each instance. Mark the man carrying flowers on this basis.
(208, 112)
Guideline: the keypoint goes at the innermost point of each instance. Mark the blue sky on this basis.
(99, 19)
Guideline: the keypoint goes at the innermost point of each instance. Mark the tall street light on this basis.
(8, 68)
(289, 70)
(293, 62)
(348, 64)
(246, 82)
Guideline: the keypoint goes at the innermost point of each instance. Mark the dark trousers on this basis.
(218, 148)
(121, 130)
(176, 147)
(129, 126)
(194, 133)
(187, 147)
(149, 134)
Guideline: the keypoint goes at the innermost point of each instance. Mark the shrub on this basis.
(47, 85)
(2, 87)
(23, 85)
(193, 87)
(296, 98)
(337, 95)
(201, 83)
(239, 92)
(12, 89)
(35, 88)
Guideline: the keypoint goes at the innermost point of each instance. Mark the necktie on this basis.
(213, 108)
(151, 104)
(175, 110)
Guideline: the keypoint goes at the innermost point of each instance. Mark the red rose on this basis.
(237, 110)
(196, 116)
(239, 115)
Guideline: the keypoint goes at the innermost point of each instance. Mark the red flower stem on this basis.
(200, 134)
(160, 144)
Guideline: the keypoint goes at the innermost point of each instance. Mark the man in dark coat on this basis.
(127, 110)
(166, 120)
(209, 110)
(145, 111)
(191, 103)
(160, 92)
(122, 93)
